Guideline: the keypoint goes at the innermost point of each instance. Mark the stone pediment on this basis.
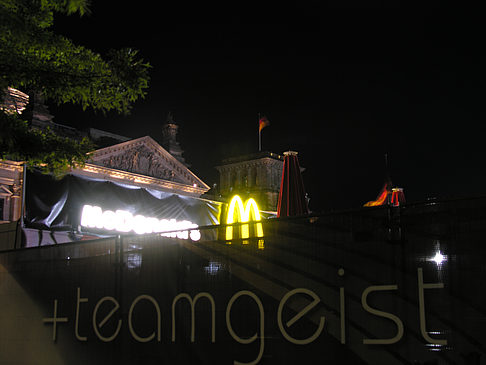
(144, 156)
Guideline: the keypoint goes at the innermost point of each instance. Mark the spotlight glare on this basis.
(439, 258)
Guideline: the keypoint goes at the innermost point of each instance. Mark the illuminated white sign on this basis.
(124, 221)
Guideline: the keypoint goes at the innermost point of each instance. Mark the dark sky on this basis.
(340, 86)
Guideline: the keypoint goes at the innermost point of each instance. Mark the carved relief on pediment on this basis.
(140, 160)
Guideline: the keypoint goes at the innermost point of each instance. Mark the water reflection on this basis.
(213, 267)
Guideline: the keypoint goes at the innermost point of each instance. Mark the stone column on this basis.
(15, 204)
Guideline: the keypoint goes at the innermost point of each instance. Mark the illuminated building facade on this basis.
(132, 165)
(140, 163)
(10, 190)
(143, 162)
(257, 176)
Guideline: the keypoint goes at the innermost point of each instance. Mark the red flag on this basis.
(262, 123)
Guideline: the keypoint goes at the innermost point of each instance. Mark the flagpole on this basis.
(259, 135)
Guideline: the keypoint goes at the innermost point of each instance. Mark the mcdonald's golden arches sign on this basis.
(243, 213)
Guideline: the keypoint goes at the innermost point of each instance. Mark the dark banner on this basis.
(379, 286)
(95, 205)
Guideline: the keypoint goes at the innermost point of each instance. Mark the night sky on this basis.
(340, 86)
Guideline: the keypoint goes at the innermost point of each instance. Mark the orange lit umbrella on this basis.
(398, 197)
(291, 199)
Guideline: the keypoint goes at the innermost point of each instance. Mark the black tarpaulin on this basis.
(56, 204)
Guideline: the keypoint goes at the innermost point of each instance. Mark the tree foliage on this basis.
(34, 58)
(44, 149)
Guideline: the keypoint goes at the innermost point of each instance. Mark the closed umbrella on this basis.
(292, 199)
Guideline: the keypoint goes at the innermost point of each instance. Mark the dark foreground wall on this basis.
(372, 286)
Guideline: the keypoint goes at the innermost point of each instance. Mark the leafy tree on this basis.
(44, 149)
(33, 58)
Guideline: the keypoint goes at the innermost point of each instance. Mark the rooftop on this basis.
(252, 156)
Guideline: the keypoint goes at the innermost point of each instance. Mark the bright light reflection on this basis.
(213, 268)
(439, 258)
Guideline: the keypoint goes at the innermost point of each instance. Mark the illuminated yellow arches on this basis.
(244, 211)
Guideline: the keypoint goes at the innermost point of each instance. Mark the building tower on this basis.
(169, 139)
(257, 175)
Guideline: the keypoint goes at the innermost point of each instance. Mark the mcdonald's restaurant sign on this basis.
(243, 222)
(239, 212)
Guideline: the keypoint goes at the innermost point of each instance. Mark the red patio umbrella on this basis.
(291, 199)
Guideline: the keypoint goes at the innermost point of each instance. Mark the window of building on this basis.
(253, 174)
(2, 205)
(233, 180)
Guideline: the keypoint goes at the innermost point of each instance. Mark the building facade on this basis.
(136, 164)
(144, 163)
(140, 163)
(256, 175)
(10, 190)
